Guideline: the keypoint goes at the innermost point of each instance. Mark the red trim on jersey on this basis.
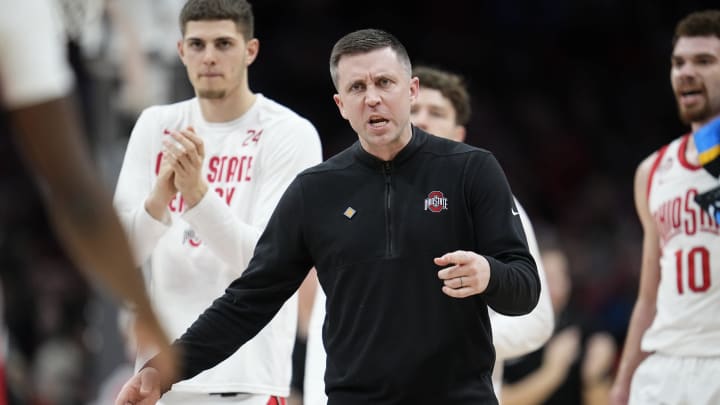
(4, 400)
(3, 387)
(654, 167)
(681, 154)
(277, 401)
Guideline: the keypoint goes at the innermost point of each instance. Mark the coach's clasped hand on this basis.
(468, 273)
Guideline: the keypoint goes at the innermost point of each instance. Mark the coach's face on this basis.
(216, 55)
(375, 92)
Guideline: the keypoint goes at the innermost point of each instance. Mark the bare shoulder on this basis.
(644, 170)
(643, 175)
(645, 166)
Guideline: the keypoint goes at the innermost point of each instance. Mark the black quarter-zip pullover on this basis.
(372, 229)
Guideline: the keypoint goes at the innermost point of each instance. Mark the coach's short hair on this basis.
(364, 41)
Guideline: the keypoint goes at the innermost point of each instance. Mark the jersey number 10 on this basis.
(697, 282)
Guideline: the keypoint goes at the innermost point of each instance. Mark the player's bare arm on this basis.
(644, 311)
(81, 211)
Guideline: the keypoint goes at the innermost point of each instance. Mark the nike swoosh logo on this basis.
(514, 212)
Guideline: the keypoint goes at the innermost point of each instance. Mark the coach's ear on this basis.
(414, 88)
(340, 105)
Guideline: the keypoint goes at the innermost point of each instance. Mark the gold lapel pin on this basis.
(349, 212)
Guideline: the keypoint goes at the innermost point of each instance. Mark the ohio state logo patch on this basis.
(436, 202)
(190, 237)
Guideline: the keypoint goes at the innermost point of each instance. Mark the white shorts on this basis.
(192, 398)
(672, 380)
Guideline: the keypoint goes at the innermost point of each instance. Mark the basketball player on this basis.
(671, 353)
(39, 116)
(199, 181)
(574, 366)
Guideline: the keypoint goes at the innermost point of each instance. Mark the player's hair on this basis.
(451, 85)
(364, 41)
(698, 24)
(239, 11)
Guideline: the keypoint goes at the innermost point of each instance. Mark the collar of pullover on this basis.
(419, 137)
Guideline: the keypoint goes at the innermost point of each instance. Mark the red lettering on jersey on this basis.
(223, 160)
(690, 218)
(249, 166)
(177, 203)
(233, 164)
(241, 167)
(229, 169)
(682, 214)
(676, 204)
(158, 162)
(214, 170)
(664, 220)
(229, 195)
(226, 193)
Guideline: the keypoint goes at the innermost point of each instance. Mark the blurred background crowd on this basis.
(569, 95)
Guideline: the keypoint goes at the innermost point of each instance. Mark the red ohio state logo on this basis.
(436, 202)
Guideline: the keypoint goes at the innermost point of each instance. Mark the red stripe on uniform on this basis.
(277, 401)
(683, 158)
(655, 165)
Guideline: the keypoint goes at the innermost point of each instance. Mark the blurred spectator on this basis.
(127, 50)
(111, 385)
(574, 366)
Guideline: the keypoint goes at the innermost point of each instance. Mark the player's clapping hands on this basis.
(185, 152)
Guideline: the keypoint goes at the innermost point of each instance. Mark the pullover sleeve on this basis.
(538, 325)
(514, 285)
(134, 185)
(279, 265)
(293, 147)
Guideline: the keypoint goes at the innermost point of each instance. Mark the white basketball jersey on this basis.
(688, 301)
(192, 258)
